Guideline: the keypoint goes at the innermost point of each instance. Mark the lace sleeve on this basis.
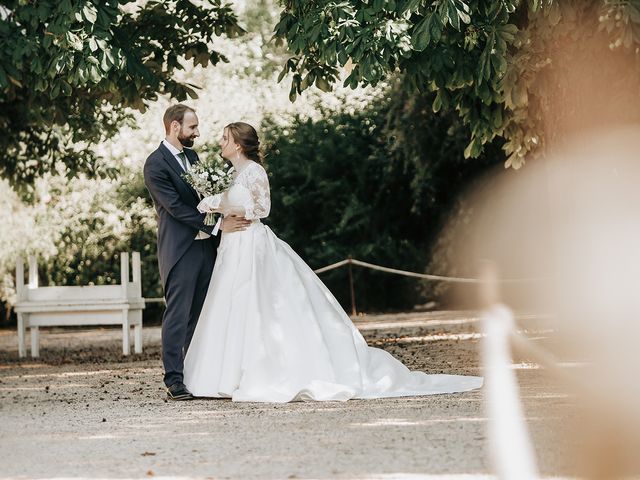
(258, 184)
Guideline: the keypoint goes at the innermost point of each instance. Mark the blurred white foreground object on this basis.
(510, 447)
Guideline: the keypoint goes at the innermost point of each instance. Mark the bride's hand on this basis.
(233, 223)
(210, 204)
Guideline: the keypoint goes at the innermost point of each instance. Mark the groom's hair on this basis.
(175, 112)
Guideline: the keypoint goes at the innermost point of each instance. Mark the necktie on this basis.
(183, 160)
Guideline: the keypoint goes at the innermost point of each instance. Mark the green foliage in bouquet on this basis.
(210, 176)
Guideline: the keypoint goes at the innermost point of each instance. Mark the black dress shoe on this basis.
(178, 391)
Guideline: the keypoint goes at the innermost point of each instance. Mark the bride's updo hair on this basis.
(247, 137)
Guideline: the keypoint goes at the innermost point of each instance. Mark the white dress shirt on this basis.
(174, 151)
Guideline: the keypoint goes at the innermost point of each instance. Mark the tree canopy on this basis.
(69, 69)
(504, 65)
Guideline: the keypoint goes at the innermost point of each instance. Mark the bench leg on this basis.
(137, 339)
(22, 348)
(126, 330)
(137, 332)
(35, 341)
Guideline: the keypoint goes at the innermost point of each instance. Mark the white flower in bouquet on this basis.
(209, 177)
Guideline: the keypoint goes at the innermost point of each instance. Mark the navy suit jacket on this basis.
(175, 201)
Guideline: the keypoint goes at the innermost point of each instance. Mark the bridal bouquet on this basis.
(209, 177)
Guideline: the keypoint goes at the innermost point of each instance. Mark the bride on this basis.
(270, 331)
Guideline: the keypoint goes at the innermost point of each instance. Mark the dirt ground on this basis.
(84, 411)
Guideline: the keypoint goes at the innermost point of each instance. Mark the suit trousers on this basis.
(185, 291)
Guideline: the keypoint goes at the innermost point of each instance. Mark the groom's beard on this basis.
(186, 141)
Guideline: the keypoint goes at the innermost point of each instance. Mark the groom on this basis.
(186, 246)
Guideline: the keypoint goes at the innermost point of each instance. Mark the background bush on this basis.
(376, 184)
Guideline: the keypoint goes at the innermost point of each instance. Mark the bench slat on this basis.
(98, 292)
(75, 319)
(27, 307)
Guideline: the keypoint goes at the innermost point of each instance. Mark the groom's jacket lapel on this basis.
(173, 164)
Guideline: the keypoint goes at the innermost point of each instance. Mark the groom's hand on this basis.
(233, 223)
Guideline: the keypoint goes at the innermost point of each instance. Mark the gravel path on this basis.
(83, 410)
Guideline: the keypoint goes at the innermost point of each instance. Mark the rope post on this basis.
(353, 293)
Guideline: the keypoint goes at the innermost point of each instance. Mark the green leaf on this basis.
(499, 64)
(468, 149)
(110, 57)
(55, 91)
(454, 19)
(283, 74)
(519, 95)
(323, 84)
(90, 13)
(464, 14)
(410, 6)
(485, 58)
(104, 64)
(435, 28)
(554, 14)
(94, 74)
(421, 34)
(437, 103)
(497, 117)
(74, 41)
(305, 82)
(15, 81)
(66, 88)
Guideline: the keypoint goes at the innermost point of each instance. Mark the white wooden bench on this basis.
(79, 305)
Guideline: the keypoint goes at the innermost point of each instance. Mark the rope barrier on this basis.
(416, 274)
(333, 265)
(396, 271)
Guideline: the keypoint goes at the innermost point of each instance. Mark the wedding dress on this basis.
(270, 331)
